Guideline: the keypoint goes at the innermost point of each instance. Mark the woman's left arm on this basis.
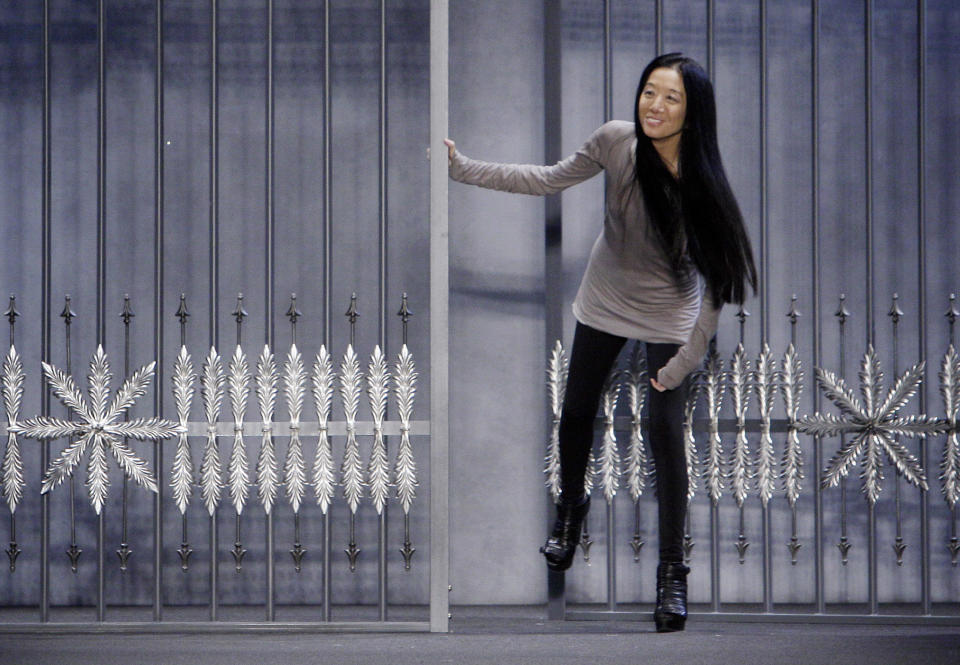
(690, 355)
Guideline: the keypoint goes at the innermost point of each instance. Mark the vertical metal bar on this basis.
(382, 336)
(439, 321)
(101, 250)
(327, 264)
(658, 26)
(269, 277)
(607, 111)
(45, 322)
(764, 273)
(553, 229)
(868, 84)
(815, 300)
(158, 312)
(711, 41)
(214, 266)
(922, 288)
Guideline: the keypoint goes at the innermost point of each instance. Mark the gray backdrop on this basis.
(498, 273)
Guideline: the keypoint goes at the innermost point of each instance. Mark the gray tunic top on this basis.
(628, 288)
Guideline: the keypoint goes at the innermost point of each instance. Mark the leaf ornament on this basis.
(324, 475)
(405, 468)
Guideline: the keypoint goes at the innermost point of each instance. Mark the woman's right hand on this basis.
(451, 148)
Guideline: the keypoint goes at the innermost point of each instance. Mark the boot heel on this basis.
(671, 612)
(561, 546)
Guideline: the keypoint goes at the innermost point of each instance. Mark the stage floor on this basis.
(509, 635)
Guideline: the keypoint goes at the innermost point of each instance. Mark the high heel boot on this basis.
(562, 543)
(671, 611)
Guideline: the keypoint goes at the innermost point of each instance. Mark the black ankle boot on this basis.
(562, 543)
(671, 612)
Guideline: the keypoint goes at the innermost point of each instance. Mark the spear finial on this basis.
(404, 315)
(67, 314)
(895, 312)
(293, 314)
(352, 315)
(127, 312)
(842, 312)
(239, 314)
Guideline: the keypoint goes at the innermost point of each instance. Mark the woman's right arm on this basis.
(529, 178)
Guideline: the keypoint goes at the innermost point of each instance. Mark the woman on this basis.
(672, 250)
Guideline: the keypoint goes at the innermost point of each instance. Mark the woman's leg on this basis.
(669, 455)
(593, 354)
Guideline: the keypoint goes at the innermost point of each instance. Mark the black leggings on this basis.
(593, 354)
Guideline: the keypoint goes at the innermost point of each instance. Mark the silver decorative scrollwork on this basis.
(211, 388)
(557, 370)
(268, 476)
(98, 427)
(872, 425)
(636, 466)
(324, 475)
(181, 481)
(13, 479)
(405, 468)
(378, 389)
(741, 468)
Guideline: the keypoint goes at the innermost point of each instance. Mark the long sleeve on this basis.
(529, 178)
(690, 355)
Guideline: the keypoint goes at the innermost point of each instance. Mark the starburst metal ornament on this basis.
(609, 455)
(378, 389)
(405, 468)
(557, 370)
(268, 476)
(324, 473)
(791, 465)
(13, 479)
(872, 425)
(97, 427)
(211, 389)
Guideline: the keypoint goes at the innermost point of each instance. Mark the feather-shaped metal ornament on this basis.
(97, 428)
(268, 476)
(294, 388)
(324, 473)
(609, 455)
(713, 390)
(950, 391)
(689, 437)
(557, 370)
(741, 467)
(791, 468)
(12, 466)
(181, 480)
(238, 468)
(351, 471)
(378, 389)
(405, 468)
(636, 466)
(212, 389)
(765, 385)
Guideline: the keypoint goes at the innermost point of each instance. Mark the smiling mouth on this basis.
(654, 121)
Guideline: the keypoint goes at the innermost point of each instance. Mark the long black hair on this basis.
(695, 215)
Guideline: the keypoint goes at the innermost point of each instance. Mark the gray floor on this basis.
(511, 635)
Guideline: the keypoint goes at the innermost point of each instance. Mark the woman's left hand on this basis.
(659, 386)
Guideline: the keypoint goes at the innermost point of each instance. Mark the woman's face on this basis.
(663, 105)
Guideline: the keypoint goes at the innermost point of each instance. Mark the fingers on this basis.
(451, 148)
(657, 385)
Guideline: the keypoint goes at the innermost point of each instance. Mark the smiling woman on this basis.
(663, 264)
